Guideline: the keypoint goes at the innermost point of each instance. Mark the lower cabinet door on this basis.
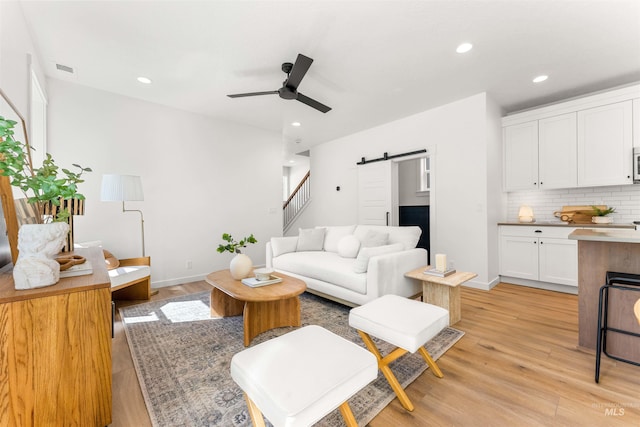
(519, 257)
(559, 261)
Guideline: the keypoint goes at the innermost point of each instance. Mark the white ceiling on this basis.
(374, 61)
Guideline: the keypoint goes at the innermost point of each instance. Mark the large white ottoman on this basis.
(405, 323)
(298, 378)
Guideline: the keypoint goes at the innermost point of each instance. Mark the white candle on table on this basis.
(441, 262)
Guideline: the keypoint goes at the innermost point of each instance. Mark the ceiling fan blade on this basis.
(313, 103)
(298, 71)
(240, 95)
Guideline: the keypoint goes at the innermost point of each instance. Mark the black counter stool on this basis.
(622, 282)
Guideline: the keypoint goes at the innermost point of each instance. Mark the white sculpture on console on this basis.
(38, 245)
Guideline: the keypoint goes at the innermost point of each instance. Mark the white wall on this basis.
(201, 177)
(458, 135)
(17, 55)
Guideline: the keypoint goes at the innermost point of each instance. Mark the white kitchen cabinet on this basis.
(636, 122)
(541, 154)
(558, 261)
(521, 156)
(605, 145)
(542, 254)
(519, 257)
(583, 142)
(557, 152)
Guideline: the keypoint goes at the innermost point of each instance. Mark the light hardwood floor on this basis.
(517, 365)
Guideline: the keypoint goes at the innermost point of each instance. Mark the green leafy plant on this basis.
(233, 246)
(602, 212)
(46, 184)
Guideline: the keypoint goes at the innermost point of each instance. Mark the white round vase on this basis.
(240, 267)
(38, 245)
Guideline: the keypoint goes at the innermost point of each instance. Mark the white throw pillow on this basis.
(362, 262)
(283, 245)
(348, 246)
(374, 238)
(333, 235)
(310, 239)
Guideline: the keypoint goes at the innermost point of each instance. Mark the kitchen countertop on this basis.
(566, 224)
(615, 236)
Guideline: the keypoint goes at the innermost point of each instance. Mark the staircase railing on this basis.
(296, 201)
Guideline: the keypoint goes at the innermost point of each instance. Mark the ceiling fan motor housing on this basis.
(286, 92)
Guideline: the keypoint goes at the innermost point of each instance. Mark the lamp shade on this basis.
(121, 188)
(525, 214)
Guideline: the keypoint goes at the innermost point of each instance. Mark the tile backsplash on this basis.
(625, 198)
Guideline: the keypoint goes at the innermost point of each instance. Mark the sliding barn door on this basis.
(378, 193)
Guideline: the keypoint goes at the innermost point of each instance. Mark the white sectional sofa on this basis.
(351, 264)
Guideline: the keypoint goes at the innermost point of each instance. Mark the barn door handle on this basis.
(387, 218)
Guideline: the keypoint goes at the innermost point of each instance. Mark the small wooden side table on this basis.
(442, 291)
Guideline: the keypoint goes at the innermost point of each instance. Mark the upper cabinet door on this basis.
(557, 151)
(605, 145)
(521, 156)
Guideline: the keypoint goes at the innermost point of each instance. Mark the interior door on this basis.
(378, 193)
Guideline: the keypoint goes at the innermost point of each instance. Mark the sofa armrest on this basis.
(386, 273)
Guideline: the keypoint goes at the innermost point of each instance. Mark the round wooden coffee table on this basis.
(263, 308)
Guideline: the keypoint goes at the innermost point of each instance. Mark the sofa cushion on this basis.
(349, 246)
(374, 238)
(362, 262)
(333, 234)
(407, 235)
(283, 245)
(326, 266)
(122, 275)
(310, 239)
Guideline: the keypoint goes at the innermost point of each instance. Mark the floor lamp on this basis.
(124, 188)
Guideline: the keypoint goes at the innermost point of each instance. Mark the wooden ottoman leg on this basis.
(256, 415)
(349, 419)
(432, 363)
(383, 365)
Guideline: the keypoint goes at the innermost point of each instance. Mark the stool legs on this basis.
(258, 420)
(256, 415)
(347, 415)
(383, 365)
(430, 362)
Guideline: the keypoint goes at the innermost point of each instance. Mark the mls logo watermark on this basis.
(614, 412)
(614, 409)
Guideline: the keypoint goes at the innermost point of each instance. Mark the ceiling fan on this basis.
(289, 90)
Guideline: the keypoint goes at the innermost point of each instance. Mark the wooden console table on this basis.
(442, 291)
(55, 350)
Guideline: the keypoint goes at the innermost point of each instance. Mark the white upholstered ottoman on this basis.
(298, 378)
(405, 323)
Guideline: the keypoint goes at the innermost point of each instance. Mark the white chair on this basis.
(298, 378)
(405, 323)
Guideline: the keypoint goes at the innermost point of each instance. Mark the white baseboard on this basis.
(485, 286)
(177, 281)
(541, 285)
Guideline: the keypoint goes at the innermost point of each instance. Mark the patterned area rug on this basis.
(182, 357)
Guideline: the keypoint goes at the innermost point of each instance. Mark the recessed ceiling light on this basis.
(144, 80)
(296, 124)
(540, 79)
(464, 48)
(292, 161)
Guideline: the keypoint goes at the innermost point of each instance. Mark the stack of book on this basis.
(255, 283)
(439, 273)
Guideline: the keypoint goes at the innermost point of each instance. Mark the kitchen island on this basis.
(599, 251)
